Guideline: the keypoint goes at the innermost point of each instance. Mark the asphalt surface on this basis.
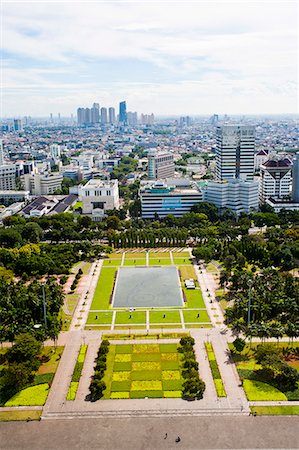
(217, 432)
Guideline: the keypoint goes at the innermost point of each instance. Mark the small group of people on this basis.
(178, 439)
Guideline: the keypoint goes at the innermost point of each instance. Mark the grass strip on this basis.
(215, 370)
(72, 391)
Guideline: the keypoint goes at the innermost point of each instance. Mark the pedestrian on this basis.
(178, 439)
(165, 437)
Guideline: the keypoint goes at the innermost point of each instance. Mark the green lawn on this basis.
(194, 298)
(143, 370)
(111, 262)
(159, 255)
(181, 261)
(102, 318)
(20, 415)
(171, 316)
(275, 410)
(135, 262)
(124, 317)
(104, 289)
(160, 262)
(137, 255)
(191, 316)
(31, 396)
(258, 391)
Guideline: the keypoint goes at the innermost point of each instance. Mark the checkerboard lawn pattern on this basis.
(143, 370)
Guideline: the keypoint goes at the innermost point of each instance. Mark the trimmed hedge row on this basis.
(193, 386)
(215, 370)
(97, 385)
(72, 391)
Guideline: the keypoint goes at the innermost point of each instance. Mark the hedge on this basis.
(218, 383)
(72, 391)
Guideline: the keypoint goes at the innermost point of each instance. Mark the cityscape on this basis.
(149, 213)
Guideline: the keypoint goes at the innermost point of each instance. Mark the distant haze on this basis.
(161, 57)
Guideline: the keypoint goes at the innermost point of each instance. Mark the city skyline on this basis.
(166, 58)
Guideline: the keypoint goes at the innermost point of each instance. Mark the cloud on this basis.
(105, 48)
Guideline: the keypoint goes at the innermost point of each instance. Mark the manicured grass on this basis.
(258, 391)
(191, 316)
(187, 272)
(142, 370)
(180, 254)
(111, 262)
(31, 396)
(132, 255)
(146, 336)
(181, 261)
(194, 298)
(171, 316)
(102, 317)
(275, 410)
(113, 256)
(54, 356)
(104, 289)
(71, 395)
(215, 370)
(135, 262)
(159, 255)
(124, 317)
(20, 415)
(160, 262)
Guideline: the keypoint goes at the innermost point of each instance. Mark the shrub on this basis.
(96, 389)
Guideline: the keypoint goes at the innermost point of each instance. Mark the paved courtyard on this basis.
(149, 433)
(141, 287)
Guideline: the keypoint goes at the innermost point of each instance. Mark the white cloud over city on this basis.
(162, 57)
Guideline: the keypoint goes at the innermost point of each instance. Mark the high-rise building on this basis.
(81, 116)
(123, 113)
(17, 125)
(7, 177)
(1, 153)
(104, 117)
(111, 115)
(87, 116)
(132, 118)
(160, 165)
(147, 119)
(235, 152)
(237, 195)
(295, 183)
(55, 151)
(95, 113)
(275, 179)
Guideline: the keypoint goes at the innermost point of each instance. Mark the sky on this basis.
(169, 58)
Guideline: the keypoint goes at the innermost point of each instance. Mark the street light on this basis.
(249, 283)
(44, 306)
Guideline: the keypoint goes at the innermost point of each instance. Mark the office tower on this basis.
(87, 116)
(104, 117)
(7, 177)
(235, 152)
(147, 119)
(111, 115)
(132, 118)
(17, 125)
(160, 165)
(1, 153)
(275, 179)
(95, 113)
(214, 119)
(58, 117)
(51, 117)
(123, 113)
(81, 116)
(295, 184)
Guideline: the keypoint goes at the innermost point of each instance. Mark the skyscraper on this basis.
(1, 153)
(81, 116)
(104, 118)
(123, 113)
(275, 179)
(17, 124)
(295, 184)
(95, 113)
(235, 152)
(111, 115)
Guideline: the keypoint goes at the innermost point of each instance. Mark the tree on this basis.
(239, 344)
(96, 389)
(32, 232)
(26, 349)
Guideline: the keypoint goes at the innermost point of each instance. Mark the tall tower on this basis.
(275, 179)
(235, 152)
(104, 118)
(1, 153)
(295, 182)
(123, 113)
(111, 115)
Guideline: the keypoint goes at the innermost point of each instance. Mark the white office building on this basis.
(38, 184)
(237, 195)
(98, 196)
(160, 165)
(275, 179)
(235, 152)
(7, 177)
(159, 199)
(55, 151)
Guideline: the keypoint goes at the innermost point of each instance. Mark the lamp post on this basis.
(249, 283)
